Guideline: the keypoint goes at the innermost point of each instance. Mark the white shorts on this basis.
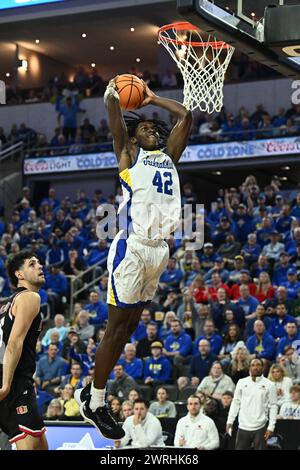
(134, 267)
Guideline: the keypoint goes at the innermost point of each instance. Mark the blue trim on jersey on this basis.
(120, 252)
(123, 304)
(126, 210)
(136, 158)
(123, 183)
(125, 218)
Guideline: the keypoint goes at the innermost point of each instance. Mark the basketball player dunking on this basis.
(20, 326)
(146, 155)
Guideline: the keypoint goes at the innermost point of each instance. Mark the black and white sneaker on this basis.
(101, 418)
(81, 395)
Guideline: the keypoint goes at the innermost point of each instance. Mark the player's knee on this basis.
(118, 334)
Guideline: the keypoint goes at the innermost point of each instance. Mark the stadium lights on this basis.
(23, 64)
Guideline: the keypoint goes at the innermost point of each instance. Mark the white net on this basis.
(202, 63)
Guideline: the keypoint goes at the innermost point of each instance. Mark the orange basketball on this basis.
(131, 91)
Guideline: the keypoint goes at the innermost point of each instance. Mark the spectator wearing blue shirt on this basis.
(230, 249)
(195, 270)
(132, 365)
(221, 231)
(54, 255)
(279, 203)
(229, 129)
(219, 268)
(292, 285)
(37, 247)
(242, 223)
(201, 363)
(157, 369)
(98, 311)
(178, 343)
(57, 287)
(260, 314)
(172, 276)
(261, 344)
(69, 243)
(51, 200)
(208, 257)
(295, 212)
(214, 215)
(247, 302)
(286, 221)
(86, 360)
(49, 370)
(239, 266)
(61, 221)
(54, 142)
(251, 250)
(141, 330)
(188, 196)
(69, 113)
(4, 287)
(292, 335)
(24, 210)
(98, 254)
(246, 130)
(281, 269)
(277, 327)
(54, 339)
(215, 340)
(291, 245)
(264, 233)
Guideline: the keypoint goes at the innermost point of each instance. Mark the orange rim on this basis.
(186, 26)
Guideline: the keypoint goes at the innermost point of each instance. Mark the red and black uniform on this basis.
(18, 411)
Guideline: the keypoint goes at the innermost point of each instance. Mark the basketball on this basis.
(131, 91)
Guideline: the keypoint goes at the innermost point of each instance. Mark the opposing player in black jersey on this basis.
(20, 326)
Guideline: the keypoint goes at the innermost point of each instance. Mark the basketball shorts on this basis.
(134, 267)
(19, 416)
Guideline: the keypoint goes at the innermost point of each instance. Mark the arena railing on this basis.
(10, 151)
(226, 136)
(77, 285)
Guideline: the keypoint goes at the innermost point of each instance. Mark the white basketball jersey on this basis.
(152, 201)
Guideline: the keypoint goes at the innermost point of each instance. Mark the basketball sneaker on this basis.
(101, 418)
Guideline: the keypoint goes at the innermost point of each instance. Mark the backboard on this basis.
(253, 27)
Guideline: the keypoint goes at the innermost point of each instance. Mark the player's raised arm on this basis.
(26, 308)
(179, 135)
(115, 118)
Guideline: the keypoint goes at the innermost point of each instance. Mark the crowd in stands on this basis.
(71, 138)
(216, 308)
(89, 83)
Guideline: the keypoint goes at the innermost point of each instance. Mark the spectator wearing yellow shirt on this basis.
(70, 405)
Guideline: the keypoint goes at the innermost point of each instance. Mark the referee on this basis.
(255, 401)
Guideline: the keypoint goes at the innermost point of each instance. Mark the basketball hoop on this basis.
(202, 63)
